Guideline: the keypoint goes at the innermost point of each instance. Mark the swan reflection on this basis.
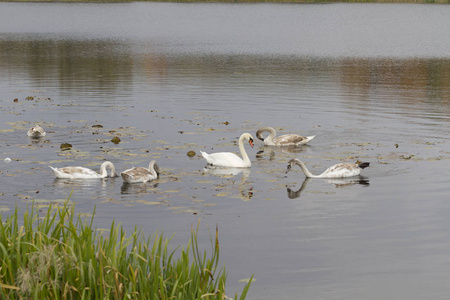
(269, 152)
(218, 171)
(295, 194)
(342, 182)
(245, 192)
(261, 153)
(138, 188)
(337, 182)
(65, 182)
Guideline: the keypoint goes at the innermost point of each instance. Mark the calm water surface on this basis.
(370, 81)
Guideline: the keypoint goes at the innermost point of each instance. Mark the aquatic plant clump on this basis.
(58, 257)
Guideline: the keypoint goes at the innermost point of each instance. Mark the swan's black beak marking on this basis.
(250, 141)
(288, 169)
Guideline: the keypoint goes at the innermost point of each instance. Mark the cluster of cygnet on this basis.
(219, 159)
(228, 159)
(133, 175)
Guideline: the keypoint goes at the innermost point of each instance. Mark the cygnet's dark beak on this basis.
(288, 169)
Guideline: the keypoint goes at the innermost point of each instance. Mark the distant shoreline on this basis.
(244, 1)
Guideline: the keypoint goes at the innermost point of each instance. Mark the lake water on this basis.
(371, 81)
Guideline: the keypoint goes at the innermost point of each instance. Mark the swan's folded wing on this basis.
(292, 139)
(223, 159)
(341, 170)
(138, 174)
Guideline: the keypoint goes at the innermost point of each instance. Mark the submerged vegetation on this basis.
(60, 257)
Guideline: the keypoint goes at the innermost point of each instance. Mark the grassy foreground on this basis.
(58, 257)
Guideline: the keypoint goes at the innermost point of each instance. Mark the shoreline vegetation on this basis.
(58, 256)
(244, 1)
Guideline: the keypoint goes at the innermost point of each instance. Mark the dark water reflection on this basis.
(368, 86)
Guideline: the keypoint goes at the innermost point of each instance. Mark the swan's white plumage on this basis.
(229, 159)
(84, 173)
(282, 140)
(36, 132)
(337, 171)
(141, 174)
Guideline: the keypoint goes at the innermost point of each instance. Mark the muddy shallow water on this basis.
(171, 78)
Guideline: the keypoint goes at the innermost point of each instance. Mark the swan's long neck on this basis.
(243, 152)
(272, 133)
(104, 173)
(305, 169)
(154, 169)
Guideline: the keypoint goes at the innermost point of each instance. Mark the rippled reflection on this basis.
(218, 171)
(336, 182)
(292, 194)
(138, 188)
(344, 182)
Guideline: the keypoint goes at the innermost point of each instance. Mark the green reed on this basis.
(60, 257)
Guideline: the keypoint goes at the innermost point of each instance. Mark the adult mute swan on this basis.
(84, 173)
(228, 159)
(36, 132)
(141, 174)
(337, 171)
(282, 140)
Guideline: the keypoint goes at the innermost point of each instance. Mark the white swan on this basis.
(228, 159)
(337, 171)
(84, 173)
(282, 140)
(36, 132)
(141, 174)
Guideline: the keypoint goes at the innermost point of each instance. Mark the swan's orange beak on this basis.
(250, 141)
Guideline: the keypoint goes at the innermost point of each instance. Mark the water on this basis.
(370, 81)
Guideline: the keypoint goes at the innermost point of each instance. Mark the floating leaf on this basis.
(65, 146)
(191, 153)
(115, 140)
(97, 126)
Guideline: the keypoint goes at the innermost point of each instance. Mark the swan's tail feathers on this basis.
(309, 138)
(55, 171)
(364, 165)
